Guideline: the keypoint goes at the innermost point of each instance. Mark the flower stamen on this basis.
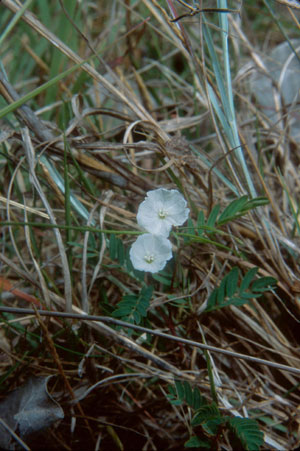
(149, 258)
(161, 210)
(150, 252)
(162, 214)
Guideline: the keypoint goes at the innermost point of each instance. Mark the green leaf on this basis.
(136, 317)
(237, 301)
(122, 311)
(213, 216)
(133, 307)
(163, 279)
(185, 393)
(200, 222)
(221, 291)
(263, 284)
(240, 207)
(273, 424)
(205, 413)
(249, 276)
(172, 396)
(232, 209)
(146, 292)
(180, 390)
(232, 282)
(247, 431)
(120, 251)
(112, 246)
(116, 249)
(230, 293)
(189, 229)
(212, 300)
(37, 91)
(198, 399)
(256, 202)
(195, 442)
(212, 427)
(190, 226)
(188, 393)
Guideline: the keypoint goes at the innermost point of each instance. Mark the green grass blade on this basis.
(35, 92)
(14, 21)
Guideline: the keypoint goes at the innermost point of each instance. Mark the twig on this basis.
(105, 319)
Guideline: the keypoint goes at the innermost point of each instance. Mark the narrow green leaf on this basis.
(136, 317)
(221, 291)
(263, 284)
(217, 72)
(195, 442)
(172, 391)
(190, 226)
(172, 396)
(120, 251)
(232, 209)
(200, 219)
(179, 389)
(112, 246)
(215, 171)
(238, 301)
(162, 279)
(121, 312)
(130, 298)
(256, 202)
(147, 292)
(14, 21)
(212, 300)
(249, 276)
(14, 105)
(232, 282)
(213, 216)
(198, 399)
(188, 393)
(142, 307)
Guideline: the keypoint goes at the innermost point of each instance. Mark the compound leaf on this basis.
(205, 413)
(248, 432)
(230, 292)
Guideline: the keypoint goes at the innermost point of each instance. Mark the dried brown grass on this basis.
(143, 108)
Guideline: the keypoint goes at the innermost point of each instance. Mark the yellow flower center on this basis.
(162, 214)
(149, 258)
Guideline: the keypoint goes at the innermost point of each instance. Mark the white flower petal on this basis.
(161, 210)
(150, 252)
(148, 218)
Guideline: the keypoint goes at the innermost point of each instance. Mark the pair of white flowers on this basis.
(161, 209)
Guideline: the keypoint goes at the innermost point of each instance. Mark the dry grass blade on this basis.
(42, 30)
(65, 267)
(100, 103)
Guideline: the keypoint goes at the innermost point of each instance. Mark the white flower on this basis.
(150, 252)
(162, 209)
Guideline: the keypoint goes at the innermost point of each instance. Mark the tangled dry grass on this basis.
(134, 112)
